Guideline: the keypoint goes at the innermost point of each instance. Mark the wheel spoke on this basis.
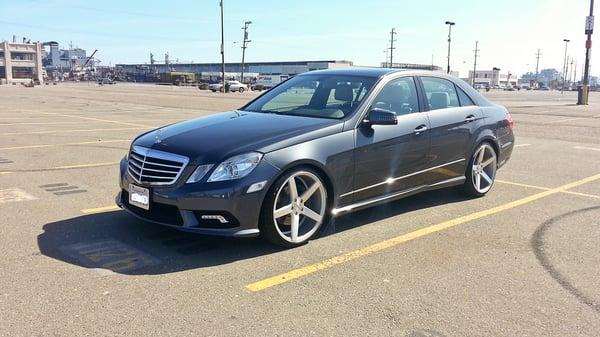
(312, 214)
(295, 227)
(478, 181)
(475, 167)
(293, 188)
(488, 162)
(283, 211)
(486, 177)
(481, 154)
(309, 192)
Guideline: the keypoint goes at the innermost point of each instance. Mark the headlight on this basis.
(199, 173)
(236, 167)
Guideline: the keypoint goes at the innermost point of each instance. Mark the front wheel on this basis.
(481, 171)
(241, 90)
(294, 209)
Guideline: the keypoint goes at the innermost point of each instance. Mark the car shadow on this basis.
(121, 243)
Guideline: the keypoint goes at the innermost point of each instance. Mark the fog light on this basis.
(219, 218)
(256, 187)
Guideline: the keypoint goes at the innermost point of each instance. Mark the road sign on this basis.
(589, 24)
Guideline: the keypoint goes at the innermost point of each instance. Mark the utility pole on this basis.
(575, 73)
(537, 66)
(562, 89)
(475, 64)
(244, 46)
(392, 40)
(222, 49)
(450, 24)
(589, 30)
(571, 72)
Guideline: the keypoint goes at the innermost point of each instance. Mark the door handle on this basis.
(470, 118)
(420, 129)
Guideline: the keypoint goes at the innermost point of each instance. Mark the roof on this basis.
(355, 71)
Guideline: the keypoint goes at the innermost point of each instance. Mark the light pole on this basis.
(562, 89)
(222, 49)
(589, 30)
(244, 46)
(450, 24)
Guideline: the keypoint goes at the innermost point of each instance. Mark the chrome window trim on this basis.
(145, 152)
(392, 180)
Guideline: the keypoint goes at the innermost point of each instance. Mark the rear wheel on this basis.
(481, 171)
(295, 208)
(241, 90)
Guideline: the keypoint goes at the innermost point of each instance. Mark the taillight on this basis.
(508, 118)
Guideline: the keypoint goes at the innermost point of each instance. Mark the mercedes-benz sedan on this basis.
(318, 145)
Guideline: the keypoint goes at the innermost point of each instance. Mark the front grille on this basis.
(155, 167)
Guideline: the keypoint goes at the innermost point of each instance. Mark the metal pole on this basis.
(222, 49)
(562, 89)
(584, 95)
(475, 64)
(450, 24)
(244, 46)
(392, 33)
(537, 67)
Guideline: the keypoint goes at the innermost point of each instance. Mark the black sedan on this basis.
(318, 145)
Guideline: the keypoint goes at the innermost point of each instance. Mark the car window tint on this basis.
(399, 96)
(293, 97)
(441, 93)
(465, 100)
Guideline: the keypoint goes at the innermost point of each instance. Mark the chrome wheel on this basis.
(299, 207)
(484, 168)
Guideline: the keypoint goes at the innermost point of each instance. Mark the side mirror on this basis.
(378, 116)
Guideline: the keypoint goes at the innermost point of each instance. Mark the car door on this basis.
(387, 157)
(454, 121)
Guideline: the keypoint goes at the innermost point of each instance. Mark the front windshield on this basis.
(321, 96)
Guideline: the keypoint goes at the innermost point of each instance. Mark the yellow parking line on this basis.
(67, 131)
(300, 272)
(64, 144)
(547, 189)
(100, 209)
(5, 172)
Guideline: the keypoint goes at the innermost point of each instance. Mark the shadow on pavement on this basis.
(121, 243)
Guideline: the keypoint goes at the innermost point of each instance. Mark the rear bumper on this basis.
(182, 206)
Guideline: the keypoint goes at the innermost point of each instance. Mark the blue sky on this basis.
(509, 31)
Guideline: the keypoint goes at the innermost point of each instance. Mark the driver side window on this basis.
(398, 96)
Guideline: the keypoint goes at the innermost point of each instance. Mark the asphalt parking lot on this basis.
(523, 261)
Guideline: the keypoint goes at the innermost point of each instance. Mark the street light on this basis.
(562, 89)
(450, 24)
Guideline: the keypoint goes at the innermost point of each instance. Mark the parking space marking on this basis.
(68, 131)
(587, 148)
(522, 145)
(39, 123)
(593, 196)
(96, 119)
(14, 195)
(64, 144)
(331, 262)
(566, 120)
(100, 209)
(110, 254)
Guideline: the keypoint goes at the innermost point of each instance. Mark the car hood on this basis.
(214, 138)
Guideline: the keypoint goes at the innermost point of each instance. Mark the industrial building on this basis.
(492, 78)
(63, 59)
(21, 62)
(232, 69)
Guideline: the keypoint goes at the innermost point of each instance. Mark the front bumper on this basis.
(182, 206)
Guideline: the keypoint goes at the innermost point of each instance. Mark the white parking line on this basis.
(566, 120)
(587, 148)
(522, 145)
(14, 195)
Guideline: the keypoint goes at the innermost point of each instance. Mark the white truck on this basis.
(266, 82)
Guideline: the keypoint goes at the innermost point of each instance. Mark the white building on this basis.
(20, 62)
(492, 78)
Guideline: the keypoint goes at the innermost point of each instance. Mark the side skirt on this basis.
(398, 195)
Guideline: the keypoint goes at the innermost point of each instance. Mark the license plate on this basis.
(139, 197)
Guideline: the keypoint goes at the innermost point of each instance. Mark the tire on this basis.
(241, 90)
(292, 222)
(481, 171)
(213, 90)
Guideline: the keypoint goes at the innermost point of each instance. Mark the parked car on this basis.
(103, 81)
(234, 86)
(266, 82)
(323, 143)
(543, 88)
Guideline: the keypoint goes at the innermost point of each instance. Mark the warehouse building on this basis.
(20, 62)
(288, 67)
